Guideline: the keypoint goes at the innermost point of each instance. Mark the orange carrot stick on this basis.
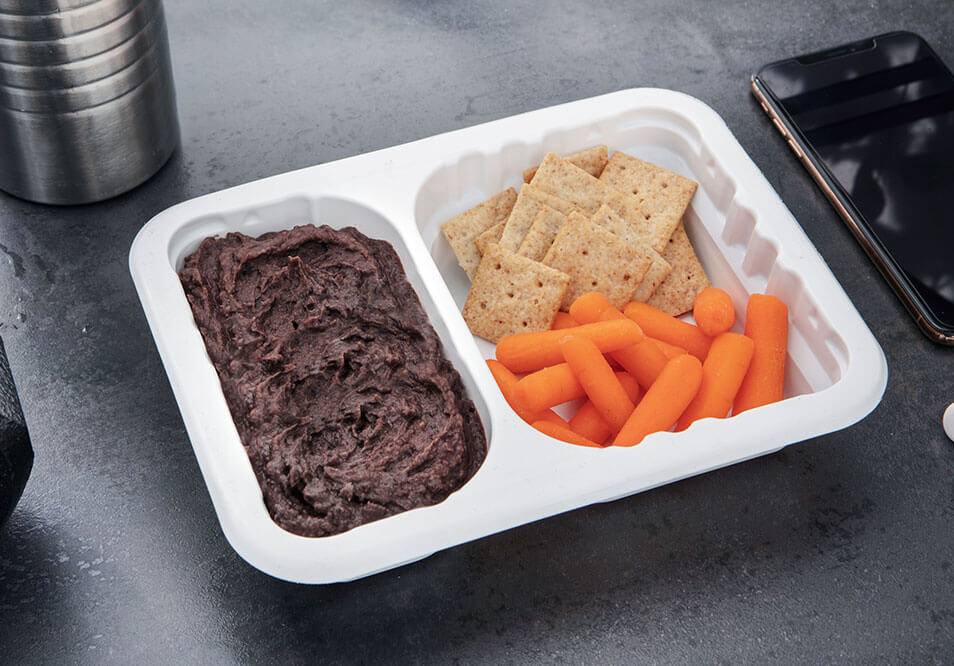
(597, 379)
(545, 388)
(644, 360)
(668, 350)
(722, 374)
(590, 307)
(552, 417)
(506, 381)
(713, 311)
(590, 424)
(563, 320)
(766, 322)
(563, 434)
(587, 422)
(664, 402)
(526, 352)
(657, 324)
(630, 385)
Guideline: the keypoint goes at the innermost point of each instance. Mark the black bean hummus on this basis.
(334, 376)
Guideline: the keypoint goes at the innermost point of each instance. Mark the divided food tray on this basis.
(744, 235)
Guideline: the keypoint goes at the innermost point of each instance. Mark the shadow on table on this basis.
(37, 597)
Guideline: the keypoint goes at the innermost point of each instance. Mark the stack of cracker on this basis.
(587, 222)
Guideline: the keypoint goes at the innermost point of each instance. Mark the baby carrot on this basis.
(630, 385)
(668, 350)
(713, 311)
(722, 374)
(506, 381)
(588, 422)
(526, 352)
(597, 379)
(644, 360)
(590, 307)
(551, 417)
(563, 320)
(766, 322)
(563, 434)
(657, 324)
(664, 402)
(545, 388)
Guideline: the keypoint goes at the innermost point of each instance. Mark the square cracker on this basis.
(492, 235)
(554, 202)
(678, 291)
(512, 294)
(518, 222)
(592, 160)
(541, 234)
(562, 179)
(658, 270)
(461, 231)
(664, 192)
(596, 260)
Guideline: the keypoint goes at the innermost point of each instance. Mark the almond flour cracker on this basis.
(461, 231)
(512, 294)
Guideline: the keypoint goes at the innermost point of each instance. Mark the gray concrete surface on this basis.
(834, 550)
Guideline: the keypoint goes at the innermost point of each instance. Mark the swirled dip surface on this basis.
(334, 376)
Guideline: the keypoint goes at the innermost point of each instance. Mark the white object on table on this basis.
(744, 235)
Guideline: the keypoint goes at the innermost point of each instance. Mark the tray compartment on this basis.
(725, 230)
(337, 213)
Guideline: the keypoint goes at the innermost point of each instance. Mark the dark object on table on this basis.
(16, 454)
(859, 117)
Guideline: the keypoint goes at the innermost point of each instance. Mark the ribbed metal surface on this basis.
(85, 70)
(90, 114)
(65, 22)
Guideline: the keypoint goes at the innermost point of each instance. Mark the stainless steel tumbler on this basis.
(87, 103)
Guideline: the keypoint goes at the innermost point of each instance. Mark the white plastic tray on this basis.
(745, 236)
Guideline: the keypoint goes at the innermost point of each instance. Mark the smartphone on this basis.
(873, 122)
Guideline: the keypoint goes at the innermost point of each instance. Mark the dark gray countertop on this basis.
(837, 549)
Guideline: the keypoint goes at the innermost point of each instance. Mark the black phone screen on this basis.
(879, 115)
